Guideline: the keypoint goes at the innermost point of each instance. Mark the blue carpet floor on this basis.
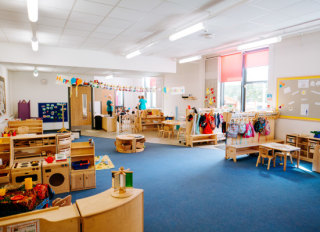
(195, 189)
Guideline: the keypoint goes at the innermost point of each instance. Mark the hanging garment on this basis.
(209, 124)
(197, 125)
(194, 124)
(202, 121)
(218, 120)
(249, 131)
(224, 127)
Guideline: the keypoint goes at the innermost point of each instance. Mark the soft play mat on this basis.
(103, 162)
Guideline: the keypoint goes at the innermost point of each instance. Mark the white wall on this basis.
(212, 77)
(296, 56)
(3, 121)
(192, 77)
(25, 86)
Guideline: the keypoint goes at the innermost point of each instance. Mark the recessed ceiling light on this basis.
(35, 44)
(133, 54)
(32, 10)
(259, 44)
(186, 32)
(189, 59)
(35, 72)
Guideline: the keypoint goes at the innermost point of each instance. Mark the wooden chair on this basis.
(281, 155)
(167, 131)
(160, 130)
(182, 130)
(264, 153)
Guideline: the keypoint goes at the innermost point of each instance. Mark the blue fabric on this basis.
(196, 189)
(142, 104)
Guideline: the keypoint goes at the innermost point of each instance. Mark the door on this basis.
(76, 180)
(80, 107)
(89, 180)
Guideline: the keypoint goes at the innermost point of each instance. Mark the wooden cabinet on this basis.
(83, 178)
(6, 160)
(89, 179)
(77, 181)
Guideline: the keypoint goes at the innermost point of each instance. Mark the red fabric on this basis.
(208, 129)
(257, 59)
(231, 67)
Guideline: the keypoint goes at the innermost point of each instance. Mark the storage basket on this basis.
(81, 164)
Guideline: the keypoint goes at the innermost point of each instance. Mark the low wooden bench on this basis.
(232, 151)
(201, 138)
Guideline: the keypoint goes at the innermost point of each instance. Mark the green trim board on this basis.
(299, 97)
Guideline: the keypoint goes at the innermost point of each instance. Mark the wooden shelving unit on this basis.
(306, 143)
(130, 143)
(151, 122)
(34, 125)
(83, 178)
(5, 155)
(24, 147)
(64, 144)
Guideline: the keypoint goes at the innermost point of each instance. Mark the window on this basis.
(119, 98)
(256, 80)
(244, 80)
(151, 97)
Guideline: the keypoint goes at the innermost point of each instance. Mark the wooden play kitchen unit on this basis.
(130, 143)
(83, 172)
(33, 126)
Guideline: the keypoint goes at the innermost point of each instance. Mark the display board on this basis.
(52, 112)
(299, 97)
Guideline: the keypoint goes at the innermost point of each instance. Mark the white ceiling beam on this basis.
(19, 53)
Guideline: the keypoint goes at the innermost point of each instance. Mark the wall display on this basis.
(52, 112)
(96, 84)
(3, 105)
(299, 97)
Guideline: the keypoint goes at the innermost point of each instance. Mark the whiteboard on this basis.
(299, 97)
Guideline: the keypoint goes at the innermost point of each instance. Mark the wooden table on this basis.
(170, 124)
(285, 148)
(102, 212)
(130, 143)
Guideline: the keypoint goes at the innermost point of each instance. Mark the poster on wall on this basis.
(2, 96)
(52, 112)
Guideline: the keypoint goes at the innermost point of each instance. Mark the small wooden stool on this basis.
(264, 153)
(167, 130)
(160, 130)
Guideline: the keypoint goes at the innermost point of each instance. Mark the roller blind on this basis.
(231, 67)
(257, 58)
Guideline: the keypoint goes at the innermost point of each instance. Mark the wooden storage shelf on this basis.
(306, 143)
(130, 143)
(5, 155)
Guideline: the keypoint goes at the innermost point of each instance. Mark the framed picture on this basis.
(3, 105)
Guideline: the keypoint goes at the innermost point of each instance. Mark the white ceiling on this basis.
(121, 26)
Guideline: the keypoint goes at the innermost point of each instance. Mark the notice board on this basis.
(52, 112)
(299, 97)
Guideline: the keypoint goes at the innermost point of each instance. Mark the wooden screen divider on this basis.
(35, 126)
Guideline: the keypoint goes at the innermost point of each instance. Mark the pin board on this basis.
(52, 112)
(299, 97)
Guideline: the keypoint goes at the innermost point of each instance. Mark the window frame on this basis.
(244, 81)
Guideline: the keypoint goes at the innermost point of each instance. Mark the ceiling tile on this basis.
(92, 8)
(78, 33)
(49, 29)
(102, 35)
(58, 4)
(48, 38)
(106, 2)
(109, 30)
(273, 4)
(191, 4)
(15, 6)
(127, 14)
(140, 5)
(80, 26)
(245, 12)
(13, 16)
(169, 9)
(55, 22)
(115, 23)
(85, 18)
(18, 35)
(301, 8)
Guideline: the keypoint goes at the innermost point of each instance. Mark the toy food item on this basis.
(17, 197)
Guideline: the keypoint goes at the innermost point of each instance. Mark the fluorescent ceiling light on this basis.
(133, 54)
(35, 44)
(187, 31)
(109, 77)
(259, 43)
(32, 10)
(189, 59)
